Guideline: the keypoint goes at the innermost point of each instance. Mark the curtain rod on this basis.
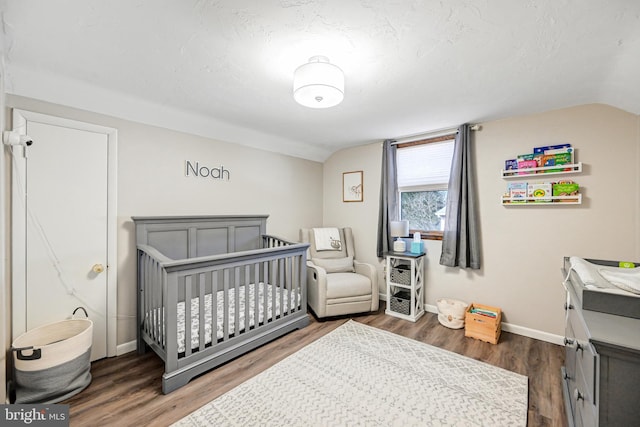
(428, 135)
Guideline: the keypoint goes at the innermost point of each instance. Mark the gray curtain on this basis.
(461, 238)
(388, 210)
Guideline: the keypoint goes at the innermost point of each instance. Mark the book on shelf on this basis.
(510, 164)
(484, 312)
(517, 190)
(556, 160)
(540, 192)
(526, 164)
(547, 148)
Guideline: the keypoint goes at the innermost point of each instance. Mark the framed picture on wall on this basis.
(352, 190)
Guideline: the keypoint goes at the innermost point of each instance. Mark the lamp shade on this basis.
(318, 83)
(399, 228)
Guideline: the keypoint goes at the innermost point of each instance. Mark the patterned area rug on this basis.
(360, 375)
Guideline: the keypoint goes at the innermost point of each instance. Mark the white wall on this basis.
(522, 247)
(152, 181)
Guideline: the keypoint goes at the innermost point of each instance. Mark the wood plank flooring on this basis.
(126, 390)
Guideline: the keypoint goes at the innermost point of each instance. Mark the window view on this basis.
(424, 209)
(423, 177)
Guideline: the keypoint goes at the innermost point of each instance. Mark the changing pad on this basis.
(603, 286)
(605, 278)
(628, 280)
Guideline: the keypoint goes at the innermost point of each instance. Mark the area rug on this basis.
(362, 376)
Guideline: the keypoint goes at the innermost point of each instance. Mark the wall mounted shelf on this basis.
(533, 201)
(542, 171)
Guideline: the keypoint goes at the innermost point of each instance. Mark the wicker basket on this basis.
(400, 302)
(401, 275)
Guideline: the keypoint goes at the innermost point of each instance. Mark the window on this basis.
(423, 177)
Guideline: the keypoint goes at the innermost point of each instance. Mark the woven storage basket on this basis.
(53, 362)
(400, 302)
(401, 275)
(451, 312)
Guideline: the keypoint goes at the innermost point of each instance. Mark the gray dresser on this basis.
(601, 375)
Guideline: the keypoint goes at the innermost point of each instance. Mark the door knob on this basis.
(98, 268)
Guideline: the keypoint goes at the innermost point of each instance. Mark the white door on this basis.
(65, 175)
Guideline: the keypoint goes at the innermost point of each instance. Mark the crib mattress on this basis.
(290, 299)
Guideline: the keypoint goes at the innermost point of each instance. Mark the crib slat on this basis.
(225, 305)
(206, 277)
(236, 301)
(274, 279)
(159, 276)
(265, 293)
(153, 308)
(247, 295)
(202, 339)
(214, 306)
(290, 262)
(301, 274)
(164, 294)
(184, 282)
(281, 285)
(256, 292)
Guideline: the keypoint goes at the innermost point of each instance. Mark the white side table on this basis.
(405, 285)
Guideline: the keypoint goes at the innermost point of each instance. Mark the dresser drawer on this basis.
(586, 357)
(585, 409)
(586, 361)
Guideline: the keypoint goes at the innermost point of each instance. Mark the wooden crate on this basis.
(482, 327)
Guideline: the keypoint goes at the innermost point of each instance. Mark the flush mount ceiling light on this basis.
(318, 83)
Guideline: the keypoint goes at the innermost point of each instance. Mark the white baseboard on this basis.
(533, 333)
(515, 329)
(125, 348)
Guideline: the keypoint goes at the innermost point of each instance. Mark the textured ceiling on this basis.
(223, 69)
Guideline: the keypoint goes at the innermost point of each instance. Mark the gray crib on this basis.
(211, 288)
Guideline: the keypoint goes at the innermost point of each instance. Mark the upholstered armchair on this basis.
(337, 284)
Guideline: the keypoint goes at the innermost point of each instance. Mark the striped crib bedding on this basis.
(290, 299)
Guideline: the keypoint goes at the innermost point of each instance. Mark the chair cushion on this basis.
(342, 285)
(335, 265)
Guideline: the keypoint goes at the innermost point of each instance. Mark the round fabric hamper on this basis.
(53, 362)
(451, 312)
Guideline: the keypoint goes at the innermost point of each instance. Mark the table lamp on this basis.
(399, 229)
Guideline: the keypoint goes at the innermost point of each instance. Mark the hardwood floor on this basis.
(126, 390)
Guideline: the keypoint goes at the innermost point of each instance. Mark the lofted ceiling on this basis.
(223, 69)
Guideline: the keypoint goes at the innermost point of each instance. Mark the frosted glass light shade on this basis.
(399, 228)
(318, 83)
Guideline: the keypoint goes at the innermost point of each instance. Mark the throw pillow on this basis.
(335, 265)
